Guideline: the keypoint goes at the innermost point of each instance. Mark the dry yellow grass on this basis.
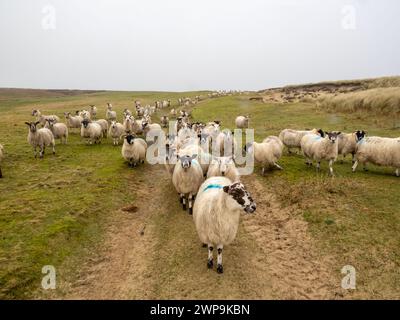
(378, 101)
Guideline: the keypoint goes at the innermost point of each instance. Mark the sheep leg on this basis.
(190, 204)
(54, 148)
(262, 171)
(397, 173)
(318, 165)
(354, 167)
(41, 152)
(35, 151)
(353, 158)
(210, 262)
(1, 174)
(181, 198)
(331, 167)
(184, 202)
(220, 268)
(278, 166)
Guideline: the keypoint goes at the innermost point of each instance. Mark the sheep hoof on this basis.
(184, 206)
(210, 264)
(204, 245)
(191, 211)
(220, 268)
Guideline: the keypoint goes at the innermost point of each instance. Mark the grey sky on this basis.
(191, 45)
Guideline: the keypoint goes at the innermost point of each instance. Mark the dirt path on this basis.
(152, 252)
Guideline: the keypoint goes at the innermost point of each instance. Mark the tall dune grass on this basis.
(378, 101)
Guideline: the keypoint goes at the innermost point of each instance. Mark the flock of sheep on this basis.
(200, 157)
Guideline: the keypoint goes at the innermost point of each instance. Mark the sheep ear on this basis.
(194, 156)
(226, 189)
(36, 123)
(27, 123)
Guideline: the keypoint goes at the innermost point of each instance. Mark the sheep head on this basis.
(238, 192)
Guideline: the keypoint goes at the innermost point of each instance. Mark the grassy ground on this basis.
(57, 210)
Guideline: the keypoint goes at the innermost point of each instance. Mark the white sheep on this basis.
(127, 113)
(91, 130)
(319, 148)
(164, 121)
(223, 167)
(291, 138)
(146, 127)
(224, 144)
(116, 131)
(242, 122)
(59, 130)
(93, 112)
(173, 112)
(42, 118)
(347, 143)
(73, 121)
(134, 150)
(1, 159)
(104, 126)
(110, 114)
(85, 114)
(187, 178)
(40, 138)
(216, 214)
(379, 151)
(267, 153)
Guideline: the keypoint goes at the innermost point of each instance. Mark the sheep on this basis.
(224, 167)
(59, 130)
(187, 178)
(1, 158)
(347, 143)
(91, 130)
(127, 113)
(379, 151)
(267, 152)
(116, 131)
(40, 138)
(173, 112)
(216, 214)
(84, 114)
(93, 112)
(242, 122)
(193, 148)
(164, 121)
(110, 115)
(146, 127)
(73, 121)
(128, 123)
(42, 118)
(225, 144)
(319, 148)
(104, 126)
(133, 150)
(291, 138)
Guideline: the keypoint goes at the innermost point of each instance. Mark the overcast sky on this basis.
(177, 45)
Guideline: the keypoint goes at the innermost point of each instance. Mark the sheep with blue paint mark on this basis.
(216, 214)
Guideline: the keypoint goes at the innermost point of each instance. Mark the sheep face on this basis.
(360, 135)
(242, 197)
(113, 124)
(332, 136)
(130, 138)
(85, 123)
(32, 126)
(224, 163)
(186, 161)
